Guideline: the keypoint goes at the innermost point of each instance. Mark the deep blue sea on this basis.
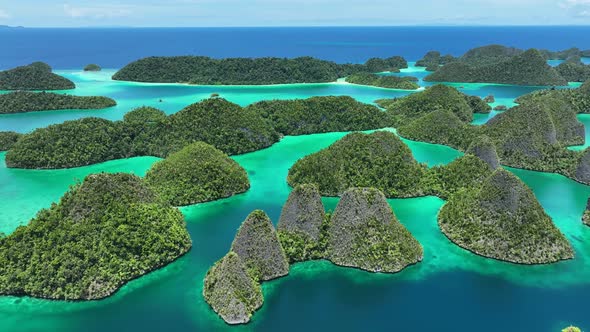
(115, 47)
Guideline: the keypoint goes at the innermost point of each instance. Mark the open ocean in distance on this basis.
(115, 47)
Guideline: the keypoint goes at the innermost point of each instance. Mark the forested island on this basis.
(25, 101)
(390, 82)
(36, 76)
(195, 174)
(497, 64)
(228, 127)
(92, 67)
(533, 135)
(61, 253)
(247, 71)
(363, 233)
(502, 219)
(8, 139)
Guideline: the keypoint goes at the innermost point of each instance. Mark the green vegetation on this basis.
(230, 291)
(246, 71)
(36, 76)
(320, 115)
(483, 148)
(24, 101)
(391, 82)
(258, 246)
(502, 219)
(499, 65)
(365, 234)
(437, 97)
(103, 233)
(215, 121)
(466, 172)
(197, 173)
(574, 70)
(571, 329)
(433, 59)
(379, 160)
(8, 139)
(92, 67)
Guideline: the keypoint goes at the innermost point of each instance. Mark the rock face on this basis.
(304, 212)
(485, 149)
(586, 216)
(503, 220)
(230, 291)
(258, 246)
(364, 233)
(197, 173)
(583, 169)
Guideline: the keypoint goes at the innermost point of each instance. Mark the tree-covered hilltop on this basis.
(320, 115)
(232, 293)
(364, 233)
(467, 171)
(36, 76)
(197, 173)
(434, 98)
(104, 232)
(433, 60)
(25, 101)
(246, 71)
(391, 82)
(92, 67)
(567, 54)
(380, 160)
(502, 219)
(573, 70)
(215, 121)
(493, 66)
(8, 139)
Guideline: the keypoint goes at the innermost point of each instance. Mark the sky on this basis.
(216, 13)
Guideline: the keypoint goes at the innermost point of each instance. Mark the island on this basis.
(390, 82)
(379, 160)
(247, 71)
(433, 60)
(586, 215)
(112, 215)
(498, 64)
(92, 67)
(503, 220)
(573, 70)
(8, 139)
(363, 233)
(195, 174)
(227, 126)
(25, 101)
(571, 329)
(36, 76)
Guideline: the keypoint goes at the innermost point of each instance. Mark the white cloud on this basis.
(577, 8)
(4, 14)
(97, 12)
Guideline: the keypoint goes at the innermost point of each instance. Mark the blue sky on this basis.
(141, 13)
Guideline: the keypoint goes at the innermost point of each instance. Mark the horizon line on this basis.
(433, 25)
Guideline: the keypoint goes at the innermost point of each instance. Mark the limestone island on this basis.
(92, 67)
(228, 127)
(432, 60)
(247, 71)
(8, 139)
(390, 82)
(195, 174)
(114, 216)
(363, 233)
(503, 220)
(36, 76)
(586, 216)
(499, 64)
(25, 101)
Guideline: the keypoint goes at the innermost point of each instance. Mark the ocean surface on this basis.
(451, 290)
(113, 48)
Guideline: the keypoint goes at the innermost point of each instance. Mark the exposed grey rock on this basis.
(489, 99)
(364, 233)
(583, 169)
(485, 149)
(258, 246)
(230, 291)
(304, 212)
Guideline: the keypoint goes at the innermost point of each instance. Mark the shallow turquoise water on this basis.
(316, 295)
